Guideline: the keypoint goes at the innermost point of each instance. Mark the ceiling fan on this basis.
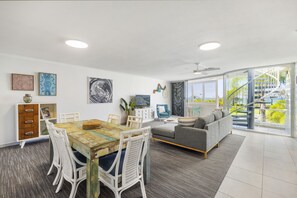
(205, 69)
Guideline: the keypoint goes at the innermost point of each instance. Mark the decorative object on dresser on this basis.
(100, 90)
(22, 82)
(47, 84)
(145, 113)
(27, 98)
(30, 122)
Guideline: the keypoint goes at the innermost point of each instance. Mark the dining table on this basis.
(94, 144)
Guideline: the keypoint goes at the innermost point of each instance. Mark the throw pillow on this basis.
(218, 114)
(161, 109)
(187, 121)
(199, 123)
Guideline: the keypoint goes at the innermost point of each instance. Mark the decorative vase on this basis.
(27, 98)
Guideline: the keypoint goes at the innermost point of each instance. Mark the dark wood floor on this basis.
(176, 172)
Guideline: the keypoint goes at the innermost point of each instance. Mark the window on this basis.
(202, 91)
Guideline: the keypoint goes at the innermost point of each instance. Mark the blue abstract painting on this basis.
(47, 84)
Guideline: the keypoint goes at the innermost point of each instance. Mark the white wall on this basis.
(71, 90)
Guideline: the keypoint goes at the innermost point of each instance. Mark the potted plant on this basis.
(128, 108)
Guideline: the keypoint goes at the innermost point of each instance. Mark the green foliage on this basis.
(275, 113)
(128, 108)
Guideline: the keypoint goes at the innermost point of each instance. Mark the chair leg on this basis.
(57, 176)
(51, 169)
(117, 195)
(60, 184)
(73, 190)
(142, 188)
(76, 187)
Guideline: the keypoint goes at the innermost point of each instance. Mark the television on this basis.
(142, 100)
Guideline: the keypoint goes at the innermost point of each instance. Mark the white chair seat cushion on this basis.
(105, 162)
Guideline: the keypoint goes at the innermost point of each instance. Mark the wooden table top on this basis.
(95, 142)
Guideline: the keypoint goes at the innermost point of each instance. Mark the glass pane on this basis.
(210, 92)
(197, 92)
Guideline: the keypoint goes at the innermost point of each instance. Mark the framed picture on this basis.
(22, 82)
(99, 90)
(47, 84)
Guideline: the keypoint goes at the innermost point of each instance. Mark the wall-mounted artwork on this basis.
(22, 82)
(47, 84)
(159, 88)
(100, 90)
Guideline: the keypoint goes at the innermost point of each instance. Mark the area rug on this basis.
(175, 172)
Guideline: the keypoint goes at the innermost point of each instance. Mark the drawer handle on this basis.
(29, 110)
(29, 133)
(29, 121)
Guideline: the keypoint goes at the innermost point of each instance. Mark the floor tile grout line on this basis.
(243, 182)
(226, 194)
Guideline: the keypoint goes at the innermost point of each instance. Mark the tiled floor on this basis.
(264, 167)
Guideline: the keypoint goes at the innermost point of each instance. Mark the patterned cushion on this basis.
(189, 121)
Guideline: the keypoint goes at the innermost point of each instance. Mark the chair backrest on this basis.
(162, 105)
(69, 117)
(136, 142)
(134, 122)
(65, 152)
(50, 129)
(113, 118)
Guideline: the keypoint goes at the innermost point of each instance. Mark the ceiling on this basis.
(157, 39)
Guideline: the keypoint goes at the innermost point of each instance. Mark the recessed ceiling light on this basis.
(76, 44)
(209, 46)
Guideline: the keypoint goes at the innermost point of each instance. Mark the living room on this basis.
(208, 87)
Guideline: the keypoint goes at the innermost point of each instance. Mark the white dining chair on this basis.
(134, 122)
(113, 118)
(69, 117)
(73, 166)
(126, 165)
(56, 162)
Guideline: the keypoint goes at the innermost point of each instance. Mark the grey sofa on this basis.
(205, 134)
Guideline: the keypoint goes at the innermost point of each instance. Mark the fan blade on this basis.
(211, 68)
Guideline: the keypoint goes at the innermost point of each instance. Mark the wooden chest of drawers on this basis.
(28, 121)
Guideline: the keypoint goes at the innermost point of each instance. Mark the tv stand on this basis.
(147, 113)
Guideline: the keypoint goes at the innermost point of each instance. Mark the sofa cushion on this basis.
(166, 130)
(218, 114)
(209, 119)
(200, 123)
(187, 121)
(225, 113)
(161, 109)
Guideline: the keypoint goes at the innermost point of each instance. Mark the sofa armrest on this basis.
(191, 137)
(212, 134)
